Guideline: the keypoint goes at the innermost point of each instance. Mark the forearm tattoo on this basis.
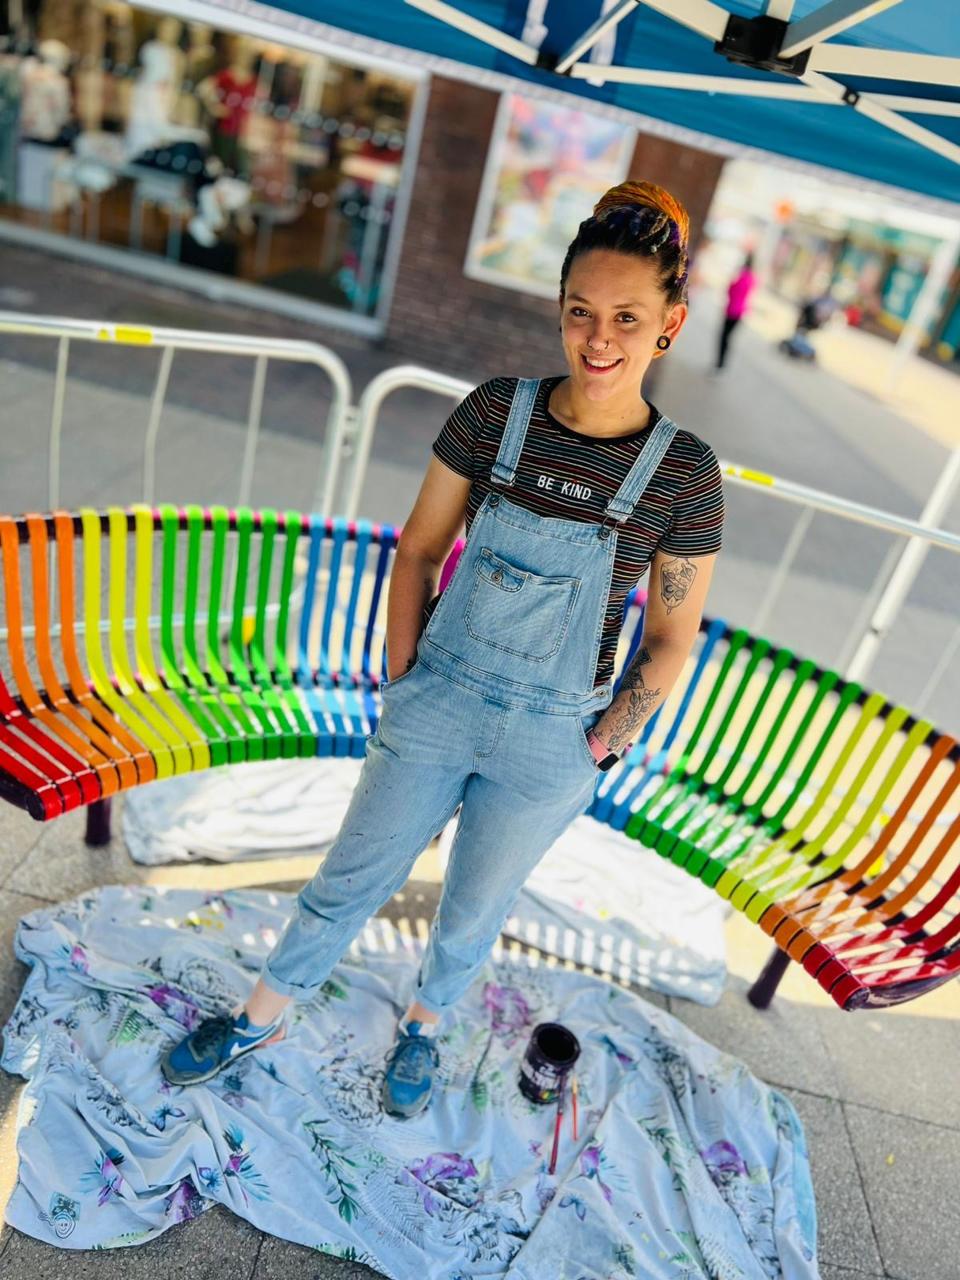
(676, 579)
(634, 705)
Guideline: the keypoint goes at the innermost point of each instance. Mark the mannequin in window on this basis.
(229, 95)
(45, 102)
(199, 61)
(166, 42)
(149, 125)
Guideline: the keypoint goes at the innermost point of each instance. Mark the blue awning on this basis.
(874, 89)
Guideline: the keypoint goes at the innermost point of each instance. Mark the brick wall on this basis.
(443, 319)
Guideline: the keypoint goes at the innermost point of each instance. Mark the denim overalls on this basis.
(492, 716)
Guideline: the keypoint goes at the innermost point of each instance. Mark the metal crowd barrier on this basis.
(348, 440)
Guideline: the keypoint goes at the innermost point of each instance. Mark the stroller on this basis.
(813, 314)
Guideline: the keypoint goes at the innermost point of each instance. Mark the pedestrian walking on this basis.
(499, 697)
(738, 301)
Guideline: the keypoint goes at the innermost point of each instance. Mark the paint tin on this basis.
(550, 1055)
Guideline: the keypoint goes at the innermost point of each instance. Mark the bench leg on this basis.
(765, 987)
(98, 823)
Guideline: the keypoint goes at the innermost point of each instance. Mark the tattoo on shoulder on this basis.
(676, 579)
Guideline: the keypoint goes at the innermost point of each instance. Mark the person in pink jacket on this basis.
(738, 300)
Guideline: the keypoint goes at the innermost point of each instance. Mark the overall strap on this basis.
(641, 473)
(504, 469)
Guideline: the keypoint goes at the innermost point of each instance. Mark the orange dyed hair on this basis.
(649, 194)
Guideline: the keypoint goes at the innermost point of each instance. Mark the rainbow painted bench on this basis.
(142, 644)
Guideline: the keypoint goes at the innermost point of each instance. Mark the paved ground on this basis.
(876, 1092)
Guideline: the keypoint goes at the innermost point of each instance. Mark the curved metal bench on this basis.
(144, 644)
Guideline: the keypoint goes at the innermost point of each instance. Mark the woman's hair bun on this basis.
(645, 195)
(641, 220)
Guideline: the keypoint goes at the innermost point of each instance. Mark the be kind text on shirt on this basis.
(568, 489)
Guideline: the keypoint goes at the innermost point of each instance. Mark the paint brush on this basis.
(556, 1127)
(573, 1094)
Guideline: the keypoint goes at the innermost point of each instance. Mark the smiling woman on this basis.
(500, 696)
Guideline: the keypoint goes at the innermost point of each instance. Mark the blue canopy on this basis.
(873, 88)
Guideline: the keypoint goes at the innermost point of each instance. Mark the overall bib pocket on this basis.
(519, 612)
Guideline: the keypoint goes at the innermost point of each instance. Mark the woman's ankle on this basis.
(263, 1006)
(425, 1017)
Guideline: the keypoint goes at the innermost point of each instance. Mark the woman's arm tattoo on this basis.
(676, 579)
(622, 721)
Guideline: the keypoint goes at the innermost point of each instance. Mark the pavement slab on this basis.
(281, 1260)
(845, 1232)
(18, 834)
(902, 1060)
(909, 1171)
(216, 1246)
(60, 865)
(830, 1272)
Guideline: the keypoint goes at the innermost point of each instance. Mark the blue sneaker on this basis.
(214, 1045)
(412, 1064)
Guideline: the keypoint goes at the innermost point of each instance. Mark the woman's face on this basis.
(612, 314)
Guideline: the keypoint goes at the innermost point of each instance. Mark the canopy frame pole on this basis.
(905, 572)
(829, 20)
(691, 82)
(593, 34)
(455, 17)
(868, 106)
(884, 64)
(708, 19)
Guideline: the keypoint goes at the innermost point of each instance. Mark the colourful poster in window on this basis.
(546, 168)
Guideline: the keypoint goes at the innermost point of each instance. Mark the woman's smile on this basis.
(597, 365)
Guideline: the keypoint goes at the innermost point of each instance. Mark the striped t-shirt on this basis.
(564, 473)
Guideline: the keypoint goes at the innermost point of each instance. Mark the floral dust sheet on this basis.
(685, 1166)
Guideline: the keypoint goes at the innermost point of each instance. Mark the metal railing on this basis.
(883, 597)
(168, 342)
(348, 440)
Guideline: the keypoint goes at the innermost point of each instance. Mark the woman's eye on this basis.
(577, 312)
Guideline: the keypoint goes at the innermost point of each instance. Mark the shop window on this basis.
(235, 155)
(546, 164)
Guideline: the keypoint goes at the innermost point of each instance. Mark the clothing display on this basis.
(45, 105)
(236, 91)
(564, 473)
(151, 104)
(117, 91)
